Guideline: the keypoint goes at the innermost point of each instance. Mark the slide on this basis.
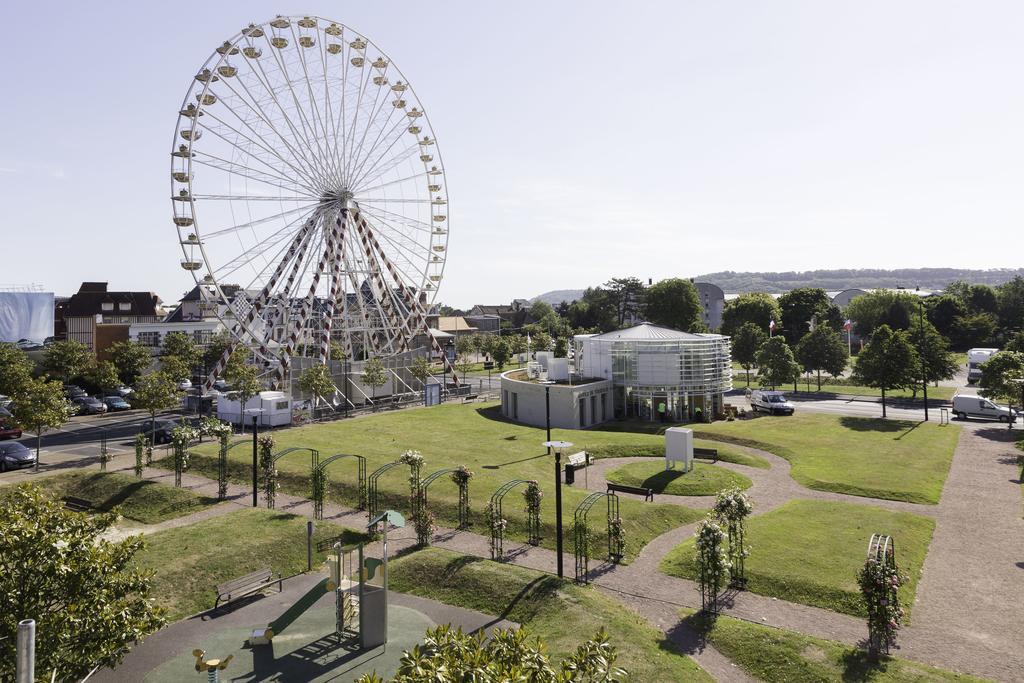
(301, 605)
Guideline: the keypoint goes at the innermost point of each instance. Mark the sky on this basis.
(581, 140)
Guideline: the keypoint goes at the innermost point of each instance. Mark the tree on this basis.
(41, 406)
(998, 375)
(15, 370)
(153, 393)
(336, 352)
(508, 655)
(755, 307)
(628, 298)
(485, 344)
(180, 355)
(975, 329)
(86, 594)
(746, 343)
(943, 312)
(540, 341)
(175, 367)
(67, 359)
(776, 364)
(243, 379)
(464, 345)
(463, 364)
(374, 375)
(881, 307)
(220, 344)
(887, 362)
(596, 309)
(1011, 304)
(317, 380)
(104, 376)
(501, 352)
(130, 358)
(561, 349)
(516, 343)
(1016, 343)
(935, 361)
(420, 369)
(673, 303)
(800, 306)
(822, 349)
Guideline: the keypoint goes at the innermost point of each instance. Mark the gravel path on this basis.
(967, 613)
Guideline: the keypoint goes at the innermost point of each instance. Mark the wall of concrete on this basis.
(523, 401)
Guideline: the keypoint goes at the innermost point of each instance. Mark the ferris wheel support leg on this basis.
(387, 306)
(338, 234)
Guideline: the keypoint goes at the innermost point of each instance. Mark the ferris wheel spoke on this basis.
(307, 208)
(359, 156)
(321, 132)
(389, 200)
(393, 218)
(376, 255)
(330, 130)
(250, 198)
(364, 79)
(259, 249)
(237, 169)
(359, 190)
(394, 134)
(388, 236)
(384, 166)
(250, 101)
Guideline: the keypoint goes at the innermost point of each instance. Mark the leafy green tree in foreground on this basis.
(935, 361)
(747, 341)
(776, 364)
(243, 379)
(501, 351)
(887, 362)
(822, 349)
(998, 375)
(88, 600)
(131, 360)
(317, 380)
(420, 369)
(155, 392)
(510, 655)
(15, 370)
(41, 406)
(67, 359)
(754, 307)
(374, 375)
(103, 375)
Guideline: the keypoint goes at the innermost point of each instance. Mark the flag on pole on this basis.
(848, 325)
(527, 344)
(771, 327)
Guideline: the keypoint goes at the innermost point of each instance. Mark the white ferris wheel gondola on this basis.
(306, 175)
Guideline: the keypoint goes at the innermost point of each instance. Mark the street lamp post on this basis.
(924, 359)
(255, 480)
(558, 446)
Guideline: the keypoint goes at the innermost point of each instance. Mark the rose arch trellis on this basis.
(497, 522)
(463, 484)
(271, 475)
(371, 490)
(880, 580)
(320, 481)
(581, 533)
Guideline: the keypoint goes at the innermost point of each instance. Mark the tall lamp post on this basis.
(255, 446)
(559, 447)
(924, 359)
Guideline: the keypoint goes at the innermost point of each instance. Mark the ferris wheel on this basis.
(309, 195)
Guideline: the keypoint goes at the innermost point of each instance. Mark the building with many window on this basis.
(98, 317)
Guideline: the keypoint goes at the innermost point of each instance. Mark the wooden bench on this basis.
(579, 460)
(706, 454)
(246, 585)
(648, 494)
(469, 398)
(76, 504)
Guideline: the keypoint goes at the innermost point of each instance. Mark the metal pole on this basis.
(255, 482)
(25, 663)
(547, 413)
(558, 509)
(384, 576)
(344, 367)
(309, 545)
(924, 366)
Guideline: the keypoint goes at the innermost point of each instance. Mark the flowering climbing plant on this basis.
(712, 561)
(617, 536)
(496, 524)
(268, 473)
(880, 582)
(461, 476)
(140, 447)
(533, 495)
(732, 507)
(181, 437)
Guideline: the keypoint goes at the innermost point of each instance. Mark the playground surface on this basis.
(305, 651)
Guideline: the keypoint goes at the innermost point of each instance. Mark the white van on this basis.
(975, 358)
(965, 406)
(771, 402)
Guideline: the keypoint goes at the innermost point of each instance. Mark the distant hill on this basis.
(864, 278)
(830, 280)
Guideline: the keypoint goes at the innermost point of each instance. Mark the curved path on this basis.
(967, 614)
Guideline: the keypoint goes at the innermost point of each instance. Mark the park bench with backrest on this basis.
(706, 454)
(647, 493)
(246, 585)
(76, 504)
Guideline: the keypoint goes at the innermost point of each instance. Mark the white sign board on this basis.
(679, 448)
(26, 315)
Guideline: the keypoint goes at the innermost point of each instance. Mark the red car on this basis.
(8, 431)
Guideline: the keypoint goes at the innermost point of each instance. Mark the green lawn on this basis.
(141, 500)
(830, 386)
(703, 480)
(560, 613)
(496, 451)
(190, 561)
(810, 551)
(647, 448)
(872, 457)
(778, 656)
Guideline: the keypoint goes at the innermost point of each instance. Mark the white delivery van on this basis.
(771, 402)
(965, 406)
(975, 357)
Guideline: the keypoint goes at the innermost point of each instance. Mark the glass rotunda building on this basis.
(652, 366)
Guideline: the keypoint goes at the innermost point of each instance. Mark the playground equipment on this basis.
(212, 667)
(360, 587)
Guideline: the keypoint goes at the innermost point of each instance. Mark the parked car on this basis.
(124, 392)
(14, 455)
(185, 384)
(116, 403)
(975, 359)
(9, 431)
(74, 391)
(162, 433)
(90, 405)
(771, 402)
(965, 406)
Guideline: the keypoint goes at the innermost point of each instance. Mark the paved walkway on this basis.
(967, 612)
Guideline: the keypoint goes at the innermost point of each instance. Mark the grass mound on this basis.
(810, 551)
(703, 480)
(142, 500)
(190, 561)
(869, 457)
(775, 655)
(560, 613)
